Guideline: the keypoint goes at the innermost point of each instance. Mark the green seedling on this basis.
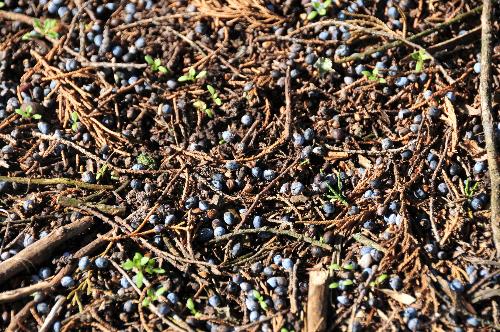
(146, 160)
(155, 64)
(284, 329)
(319, 8)
(190, 306)
(324, 65)
(373, 75)
(420, 56)
(101, 172)
(202, 107)
(260, 299)
(47, 29)
(153, 295)
(214, 94)
(343, 283)
(192, 76)
(380, 279)
(336, 194)
(74, 118)
(470, 189)
(337, 267)
(141, 265)
(27, 113)
(2, 4)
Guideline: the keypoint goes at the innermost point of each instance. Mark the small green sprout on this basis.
(469, 189)
(420, 56)
(336, 194)
(202, 107)
(27, 113)
(319, 8)
(373, 75)
(146, 160)
(380, 279)
(324, 65)
(2, 4)
(101, 172)
(341, 283)
(47, 29)
(284, 329)
(141, 265)
(260, 299)
(214, 94)
(155, 64)
(153, 295)
(192, 309)
(334, 267)
(192, 76)
(74, 119)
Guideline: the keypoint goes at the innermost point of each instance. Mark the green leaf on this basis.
(334, 267)
(322, 11)
(263, 305)
(256, 294)
(183, 78)
(159, 271)
(74, 116)
(137, 257)
(146, 302)
(333, 285)
(37, 24)
(74, 127)
(27, 36)
(366, 73)
(139, 279)
(2, 4)
(209, 112)
(50, 24)
(53, 35)
(381, 278)
(347, 282)
(160, 291)
(327, 3)
(312, 15)
(348, 267)
(191, 72)
(316, 4)
(210, 89)
(157, 62)
(149, 59)
(37, 116)
(190, 304)
(201, 74)
(218, 102)
(162, 69)
(419, 66)
(382, 80)
(415, 56)
(375, 72)
(144, 260)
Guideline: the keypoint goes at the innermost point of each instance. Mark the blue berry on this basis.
(287, 263)
(229, 218)
(191, 202)
(298, 139)
(246, 120)
(476, 204)
(42, 308)
(342, 51)
(456, 286)
(473, 321)
(140, 42)
(228, 136)
(328, 208)
(43, 127)
(343, 300)
(434, 112)
(479, 167)
(101, 262)
(410, 313)
(206, 234)
(396, 283)
(219, 231)
(245, 286)
(67, 282)
(414, 324)
(172, 297)
(203, 205)
(269, 174)
(323, 35)
(71, 65)
(251, 304)
(297, 188)
(393, 13)
(214, 301)
(128, 306)
(117, 51)
(170, 219)
(88, 177)
(45, 272)
(277, 259)
(124, 282)
(477, 67)
(130, 8)
(401, 82)
(232, 165)
(83, 263)
(163, 309)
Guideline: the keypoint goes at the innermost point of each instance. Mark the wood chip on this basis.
(403, 298)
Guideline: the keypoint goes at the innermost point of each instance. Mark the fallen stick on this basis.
(69, 182)
(317, 301)
(41, 249)
(113, 210)
(16, 294)
(487, 121)
(52, 316)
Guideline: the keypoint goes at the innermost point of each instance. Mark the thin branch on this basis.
(487, 121)
(52, 181)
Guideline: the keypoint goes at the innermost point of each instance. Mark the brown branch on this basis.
(69, 182)
(487, 121)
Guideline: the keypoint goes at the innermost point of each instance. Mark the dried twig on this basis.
(53, 181)
(487, 121)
